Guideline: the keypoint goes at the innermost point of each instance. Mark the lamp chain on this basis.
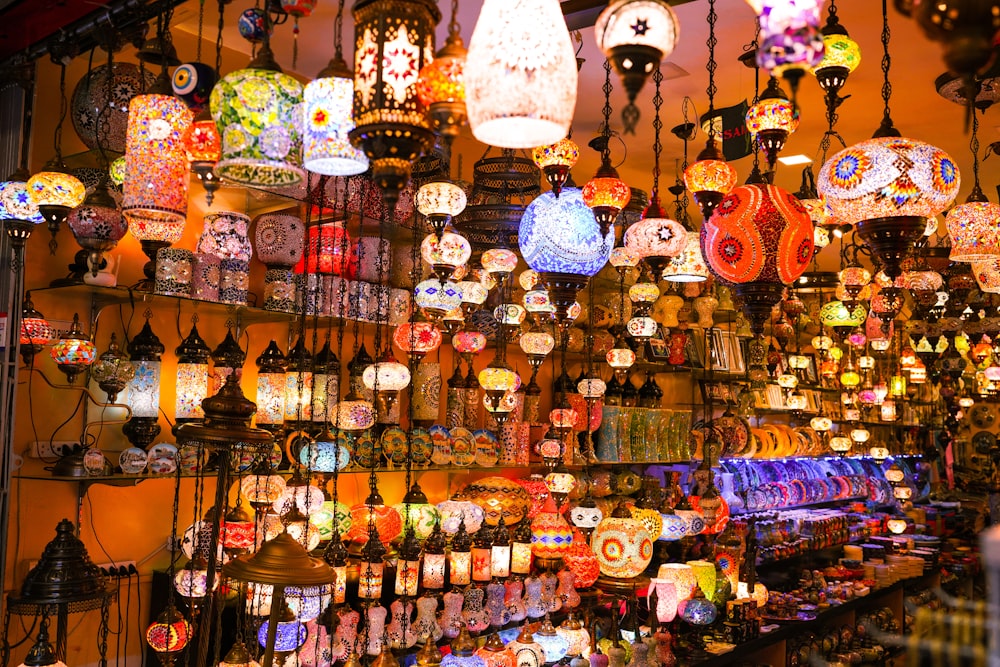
(974, 147)
(201, 27)
(886, 63)
(341, 293)
(657, 126)
(453, 27)
(833, 10)
(711, 65)
(338, 32)
(63, 110)
(218, 38)
(606, 111)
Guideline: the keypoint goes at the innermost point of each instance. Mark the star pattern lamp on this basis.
(393, 40)
(73, 352)
(524, 94)
(709, 178)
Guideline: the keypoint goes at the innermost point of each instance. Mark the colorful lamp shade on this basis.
(551, 534)
(270, 398)
(524, 94)
(156, 168)
(790, 37)
(97, 225)
(973, 229)
(226, 235)
(36, 332)
(73, 352)
(656, 236)
(258, 112)
(689, 266)
(327, 122)
(682, 576)
(17, 204)
(606, 194)
(709, 178)
(635, 35)
(55, 193)
(417, 338)
(441, 86)
(387, 375)
(170, 633)
(393, 40)
(841, 56)
(192, 376)
(987, 275)
(622, 544)
(437, 297)
(555, 161)
(279, 239)
(888, 177)
(837, 314)
(145, 351)
(445, 253)
(759, 233)
(772, 119)
(440, 201)
(561, 235)
(202, 143)
(468, 342)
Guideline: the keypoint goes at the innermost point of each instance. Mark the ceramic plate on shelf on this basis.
(463, 446)
(394, 446)
(133, 460)
(983, 441)
(363, 451)
(421, 446)
(441, 437)
(162, 459)
(487, 448)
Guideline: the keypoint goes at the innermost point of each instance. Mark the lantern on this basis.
(623, 546)
(771, 120)
(606, 194)
(170, 633)
(327, 122)
(709, 178)
(656, 238)
(97, 225)
(439, 202)
(271, 366)
(298, 383)
(192, 377)
(36, 332)
(446, 253)
(393, 40)
(54, 193)
(841, 56)
(17, 210)
(417, 339)
(551, 535)
(523, 94)
(688, 266)
(791, 43)
(972, 227)
(760, 239)
(441, 85)
(555, 161)
(145, 351)
(203, 148)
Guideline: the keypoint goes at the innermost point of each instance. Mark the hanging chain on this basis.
(711, 66)
(657, 126)
(338, 32)
(833, 11)
(201, 27)
(606, 112)
(974, 147)
(453, 27)
(218, 38)
(886, 63)
(63, 110)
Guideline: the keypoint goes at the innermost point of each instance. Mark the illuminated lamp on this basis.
(529, 652)
(860, 435)
(624, 549)
(554, 645)
(493, 652)
(555, 161)
(972, 228)
(606, 194)
(439, 202)
(551, 535)
(918, 373)
(656, 238)
(841, 56)
(682, 577)
(759, 239)
(499, 261)
(460, 557)
(393, 40)
(18, 213)
(97, 225)
(887, 187)
(463, 651)
(879, 453)
(759, 594)
(524, 94)
(894, 474)
(55, 192)
(987, 275)
(441, 85)
(790, 40)
(202, 145)
(620, 358)
(417, 339)
(386, 378)
(36, 332)
(192, 377)
(771, 120)
(73, 352)
(902, 492)
(536, 345)
(238, 656)
(896, 526)
(446, 253)
(270, 398)
(408, 565)
(635, 35)
(437, 297)
(327, 121)
(497, 380)
(689, 266)
(709, 178)
(840, 444)
(169, 634)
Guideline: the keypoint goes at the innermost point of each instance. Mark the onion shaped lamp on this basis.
(441, 85)
(97, 225)
(555, 161)
(841, 56)
(112, 371)
(709, 178)
(771, 120)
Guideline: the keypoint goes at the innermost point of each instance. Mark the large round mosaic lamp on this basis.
(327, 119)
(759, 239)
(887, 187)
(560, 239)
(18, 213)
(624, 549)
(55, 192)
(257, 113)
(523, 94)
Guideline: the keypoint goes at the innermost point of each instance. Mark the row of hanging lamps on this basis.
(974, 227)
(888, 185)
(257, 111)
(54, 190)
(635, 36)
(520, 74)
(394, 39)
(327, 116)
(710, 177)
(441, 83)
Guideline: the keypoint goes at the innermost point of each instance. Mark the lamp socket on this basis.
(44, 449)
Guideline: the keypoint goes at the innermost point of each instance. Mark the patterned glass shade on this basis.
(624, 257)
(468, 342)
(560, 235)
(839, 51)
(327, 120)
(836, 314)
(116, 172)
(437, 296)
(288, 637)
(156, 168)
(537, 301)
(96, 226)
(451, 250)
(974, 229)
(386, 376)
(623, 547)
(262, 489)
(442, 81)
(758, 233)
(689, 266)
(591, 387)
(710, 176)
(498, 378)
(641, 327)
(73, 354)
(651, 24)
(170, 633)
(201, 142)
(987, 275)
(257, 113)
(417, 337)
(790, 35)
(440, 198)
(499, 260)
(37, 331)
(537, 343)
(56, 188)
(551, 535)
(353, 415)
(656, 237)
(774, 113)
(643, 293)
(16, 203)
(888, 177)
(512, 314)
(324, 456)
(682, 576)
(610, 192)
(191, 388)
(563, 153)
(620, 357)
(524, 94)
(473, 292)
(855, 276)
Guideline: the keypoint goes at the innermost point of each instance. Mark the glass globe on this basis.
(440, 198)
(710, 175)
(623, 257)
(840, 444)
(635, 35)
(561, 235)
(468, 342)
(449, 250)
(386, 376)
(417, 338)
(839, 50)
(499, 260)
(437, 296)
(821, 423)
(537, 343)
(499, 378)
(656, 236)
(537, 301)
(328, 118)
(473, 292)
(591, 387)
(353, 414)
(441, 86)
(56, 188)
(860, 435)
(17, 204)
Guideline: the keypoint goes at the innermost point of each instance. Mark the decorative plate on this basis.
(441, 456)
(162, 459)
(394, 446)
(463, 446)
(982, 416)
(363, 450)
(133, 460)
(734, 432)
(487, 448)
(95, 463)
(190, 458)
(984, 441)
(99, 108)
(421, 446)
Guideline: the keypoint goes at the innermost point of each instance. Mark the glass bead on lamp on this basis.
(524, 94)
(156, 173)
(145, 351)
(555, 161)
(327, 121)
(192, 377)
(393, 40)
(635, 35)
(441, 85)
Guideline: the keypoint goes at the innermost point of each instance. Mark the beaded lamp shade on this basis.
(839, 51)
(156, 168)
(888, 177)
(524, 94)
(327, 122)
(393, 40)
(64, 573)
(987, 275)
(257, 113)
(560, 235)
(499, 496)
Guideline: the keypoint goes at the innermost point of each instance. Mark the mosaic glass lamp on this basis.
(689, 266)
(771, 120)
(709, 178)
(841, 56)
(327, 122)
(145, 352)
(73, 352)
(97, 225)
(555, 161)
(441, 85)
(203, 147)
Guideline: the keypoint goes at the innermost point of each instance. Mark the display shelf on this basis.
(814, 505)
